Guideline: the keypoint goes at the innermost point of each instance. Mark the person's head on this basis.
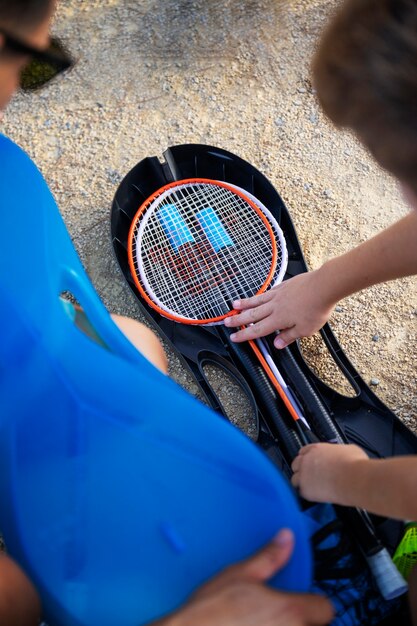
(365, 73)
(28, 21)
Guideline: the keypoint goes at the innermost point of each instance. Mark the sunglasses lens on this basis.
(36, 74)
(40, 71)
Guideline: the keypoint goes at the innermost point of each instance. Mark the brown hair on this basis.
(365, 72)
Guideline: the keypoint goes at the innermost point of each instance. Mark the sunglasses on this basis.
(44, 65)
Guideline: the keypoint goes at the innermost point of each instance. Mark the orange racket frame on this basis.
(132, 232)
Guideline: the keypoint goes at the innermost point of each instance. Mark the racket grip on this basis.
(388, 579)
(306, 434)
(390, 582)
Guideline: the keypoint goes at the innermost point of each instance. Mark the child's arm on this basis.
(300, 306)
(19, 602)
(343, 474)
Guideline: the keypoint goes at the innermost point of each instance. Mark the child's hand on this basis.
(321, 471)
(297, 308)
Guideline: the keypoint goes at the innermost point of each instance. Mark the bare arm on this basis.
(345, 475)
(390, 254)
(19, 603)
(300, 306)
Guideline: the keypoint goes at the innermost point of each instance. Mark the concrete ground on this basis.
(154, 73)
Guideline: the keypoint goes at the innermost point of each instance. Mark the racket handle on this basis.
(288, 438)
(390, 582)
(388, 579)
(319, 417)
(307, 435)
(268, 358)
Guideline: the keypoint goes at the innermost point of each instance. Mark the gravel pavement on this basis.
(233, 74)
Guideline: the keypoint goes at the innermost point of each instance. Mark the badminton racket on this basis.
(197, 245)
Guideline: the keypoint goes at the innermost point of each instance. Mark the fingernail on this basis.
(236, 304)
(284, 537)
(233, 336)
(279, 343)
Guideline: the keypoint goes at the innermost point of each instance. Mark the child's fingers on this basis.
(268, 561)
(308, 448)
(259, 567)
(249, 316)
(254, 301)
(295, 479)
(299, 459)
(286, 337)
(260, 329)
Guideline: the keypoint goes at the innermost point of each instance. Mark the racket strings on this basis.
(210, 278)
(222, 265)
(220, 271)
(197, 247)
(198, 264)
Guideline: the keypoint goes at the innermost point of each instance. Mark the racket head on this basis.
(279, 237)
(197, 244)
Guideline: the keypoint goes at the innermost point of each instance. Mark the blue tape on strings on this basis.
(174, 226)
(213, 229)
